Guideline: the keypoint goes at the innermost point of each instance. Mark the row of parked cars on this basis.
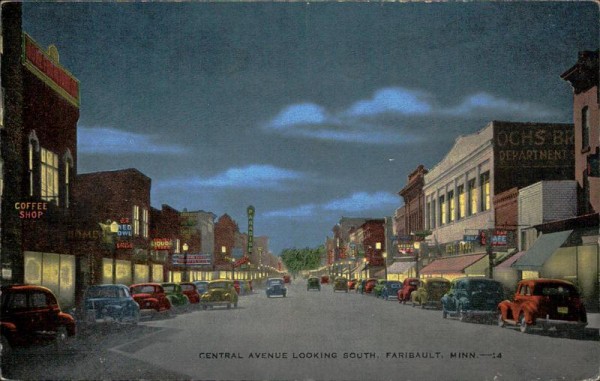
(537, 303)
(31, 315)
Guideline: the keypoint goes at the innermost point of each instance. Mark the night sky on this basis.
(308, 111)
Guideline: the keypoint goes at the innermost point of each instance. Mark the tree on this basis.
(296, 260)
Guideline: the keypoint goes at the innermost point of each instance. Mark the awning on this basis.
(541, 250)
(508, 263)
(451, 265)
(400, 267)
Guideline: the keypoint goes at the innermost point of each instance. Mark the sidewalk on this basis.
(593, 320)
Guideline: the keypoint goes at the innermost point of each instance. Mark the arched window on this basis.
(67, 163)
(33, 158)
(585, 127)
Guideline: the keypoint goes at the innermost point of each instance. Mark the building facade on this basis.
(583, 77)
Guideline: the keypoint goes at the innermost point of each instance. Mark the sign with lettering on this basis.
(192, 259)
(250, 212)
(31, 210)
(525, 153)
(161, 244)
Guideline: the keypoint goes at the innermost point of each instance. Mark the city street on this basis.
(311, 335)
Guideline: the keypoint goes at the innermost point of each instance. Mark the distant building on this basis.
(165, 241)
(225, 240)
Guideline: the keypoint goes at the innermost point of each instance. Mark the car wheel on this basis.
(523, 327)
(413, 303)
(204, 307)
(444, 313)
(62, 338)
(501, 323)
(5, 348)
(461, 314)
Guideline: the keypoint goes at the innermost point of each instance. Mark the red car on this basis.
(544, 303)
(324, 279)
(371, 283)
(150, 296)
(352, 284)
(31, 315)
(236, 286)
(190, 290)
(287, 279)
(408, 286)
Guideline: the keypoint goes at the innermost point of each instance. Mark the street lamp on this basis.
(417, 246)
(385, 264)
(365, 267)
(109, 230)
(185, 262)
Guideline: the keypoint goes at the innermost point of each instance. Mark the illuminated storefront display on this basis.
(55, 271)
(123, 272)
(141, 274)
(157, 273)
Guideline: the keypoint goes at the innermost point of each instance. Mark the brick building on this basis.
(583, 77)
(225, 241)
(165, 241)
(117, 203)
(39, 156)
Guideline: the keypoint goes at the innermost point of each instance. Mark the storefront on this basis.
(398, 271)
(123, 271)
(55, 271)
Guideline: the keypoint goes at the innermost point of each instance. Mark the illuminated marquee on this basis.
(45, 66)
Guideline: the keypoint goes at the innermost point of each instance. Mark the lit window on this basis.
(442, 211)
(49, 176)
(585, 127)
(145, 223)
(485, 192)
(452, 211)
(30, 168)
(433, 224)
(67, 174)
(136, 220)
(462, 202)
(472, 197)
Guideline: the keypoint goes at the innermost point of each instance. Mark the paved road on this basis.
(320, 336)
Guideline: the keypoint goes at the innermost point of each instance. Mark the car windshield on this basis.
(169, 287)
(102, 292)
(437, 285)
(483, 286)
(142, 290)
(555, 290)
(187, 287)
(218, 285)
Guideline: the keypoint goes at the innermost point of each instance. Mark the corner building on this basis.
(459, 191)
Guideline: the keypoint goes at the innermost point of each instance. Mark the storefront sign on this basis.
(162, 244)
(31, 210)
(250, 245)
(192, 259)
(125, 230)
(471, 238)
(124, 245)
(83, 235)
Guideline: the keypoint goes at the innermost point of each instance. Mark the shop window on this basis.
(432, 220)
(485, 192)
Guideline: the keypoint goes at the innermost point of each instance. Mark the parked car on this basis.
(236, 286)
(108, 303)
(190, 290)
(175, 295)
(313, 283)
(324, 279)
(544, 303)
(276, 286)
(201, 286)
(220, 293)
(472, 297)
(370, 285)
(352, 284)
(430, 292)
(340, 284)
(408, 286)
(150, 297)
(30, 315)
(390, 290)
(379, 287)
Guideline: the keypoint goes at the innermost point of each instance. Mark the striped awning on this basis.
(452, 265)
